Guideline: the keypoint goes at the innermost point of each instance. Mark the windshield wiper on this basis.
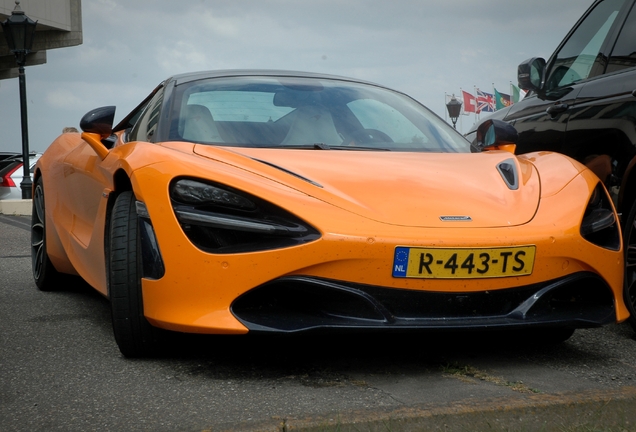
(323, 146)
(316, 146)
(356, 147)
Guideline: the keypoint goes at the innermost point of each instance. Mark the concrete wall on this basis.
(50, 14)
(59, 26)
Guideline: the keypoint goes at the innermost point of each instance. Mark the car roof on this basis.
(194, 76)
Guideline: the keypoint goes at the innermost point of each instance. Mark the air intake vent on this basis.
(508, 171)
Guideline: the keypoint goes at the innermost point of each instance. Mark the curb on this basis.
(21, 207)
(587, 410)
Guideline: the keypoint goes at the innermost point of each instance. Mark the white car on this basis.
(11, 174)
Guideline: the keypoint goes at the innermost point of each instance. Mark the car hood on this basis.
(399, 188)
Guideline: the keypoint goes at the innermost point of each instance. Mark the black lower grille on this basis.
(293, 304)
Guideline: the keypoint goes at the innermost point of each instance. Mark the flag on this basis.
(517, 94)
(485, 102)
(502, 100)
(470, 104)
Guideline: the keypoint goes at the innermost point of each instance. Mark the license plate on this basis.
(463, 263)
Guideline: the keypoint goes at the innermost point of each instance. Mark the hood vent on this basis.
(289, 172)
(508, 171)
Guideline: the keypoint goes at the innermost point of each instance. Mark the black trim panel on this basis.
(297, 304)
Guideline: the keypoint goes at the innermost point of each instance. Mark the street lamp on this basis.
(19, 30)
(454, 110)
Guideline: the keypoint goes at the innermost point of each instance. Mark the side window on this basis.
(244, 106)
(575, 61)
(624, 52)
(146, 126)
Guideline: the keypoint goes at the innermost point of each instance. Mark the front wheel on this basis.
(44, 274)
(133, 333)
(629, 285)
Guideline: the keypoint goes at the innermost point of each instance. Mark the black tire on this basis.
(629, 245)
(133, 333)
(44, 274)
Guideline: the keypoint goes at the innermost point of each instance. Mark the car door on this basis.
(84, 186)
(601, 123)
(542, 117)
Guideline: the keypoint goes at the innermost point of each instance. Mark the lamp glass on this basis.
(454, 108)
(19, 30)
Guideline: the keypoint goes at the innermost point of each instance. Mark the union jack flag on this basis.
(485, 102)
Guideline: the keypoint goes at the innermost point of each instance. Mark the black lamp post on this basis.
(454, 110)
(19, 30)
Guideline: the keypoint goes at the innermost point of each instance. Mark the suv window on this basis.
(624, 52)
(575, 61)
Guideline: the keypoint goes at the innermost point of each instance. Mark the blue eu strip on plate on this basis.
(400, 261)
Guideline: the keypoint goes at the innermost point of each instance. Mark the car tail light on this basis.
(6, 180)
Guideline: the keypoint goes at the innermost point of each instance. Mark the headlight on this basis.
(220, 219)
(599, 225)
(197, 193)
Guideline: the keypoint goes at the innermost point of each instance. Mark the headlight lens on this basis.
(220, 219)
(599, 225)
(198, 193)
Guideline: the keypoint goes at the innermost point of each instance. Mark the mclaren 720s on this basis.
(234, 202)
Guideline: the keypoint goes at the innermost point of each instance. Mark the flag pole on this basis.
(445, 101)
(477, 110)
(512, 94)
(461, 93)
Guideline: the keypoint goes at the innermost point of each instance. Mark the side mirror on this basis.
(97, 126)
(99, 121)
(530, 74)
(496, 135)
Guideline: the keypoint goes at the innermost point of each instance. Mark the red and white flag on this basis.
(470, 103)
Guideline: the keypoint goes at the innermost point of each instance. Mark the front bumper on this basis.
(204, 292)
(300, 304)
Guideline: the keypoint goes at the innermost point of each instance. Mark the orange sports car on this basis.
(231, 202)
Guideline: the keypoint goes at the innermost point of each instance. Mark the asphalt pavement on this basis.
(60, 370)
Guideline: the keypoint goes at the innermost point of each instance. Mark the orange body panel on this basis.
(368, 203)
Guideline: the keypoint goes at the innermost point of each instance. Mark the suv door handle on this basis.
(555, 109)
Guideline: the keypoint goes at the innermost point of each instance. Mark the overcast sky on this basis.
(425, 48)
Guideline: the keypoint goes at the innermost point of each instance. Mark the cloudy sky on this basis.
(425, 48)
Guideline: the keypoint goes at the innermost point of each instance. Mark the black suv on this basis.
(582, 102)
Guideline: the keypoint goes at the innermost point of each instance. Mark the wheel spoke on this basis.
(629, 284)
(37, 235)
(38, 262)
(630, 254)
(38, 203)
(630, 288)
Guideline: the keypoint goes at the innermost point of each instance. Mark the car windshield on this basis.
(313, 113)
